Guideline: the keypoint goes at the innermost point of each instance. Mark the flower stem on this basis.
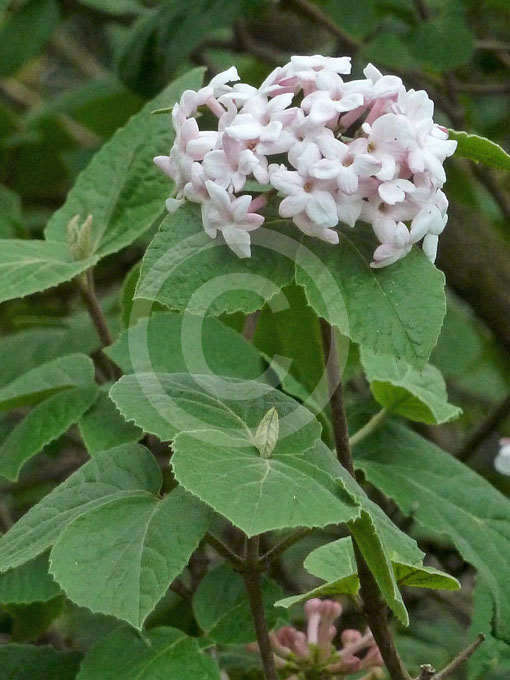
(373, 604)
(253, 584)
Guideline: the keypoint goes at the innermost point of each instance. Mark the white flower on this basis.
(231, 216)
(502, 460)
(307, 195)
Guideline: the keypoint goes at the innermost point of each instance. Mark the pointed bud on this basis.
(79, 239)
(266, 435)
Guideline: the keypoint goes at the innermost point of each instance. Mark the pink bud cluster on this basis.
(299, 653)
(345, 151)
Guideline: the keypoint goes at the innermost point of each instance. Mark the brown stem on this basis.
(485, 429)
(373, 604)
(275, 552)
(224, 551)
(422, 9)
(88, 293)
(253, 586)
(340, 429)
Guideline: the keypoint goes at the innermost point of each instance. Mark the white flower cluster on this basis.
(363, 149)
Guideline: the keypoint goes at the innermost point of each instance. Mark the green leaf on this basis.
(388, 49)
(383, 310)
(357, 18)
(258, 494)
(41, 344)
(166, 37)
(120, 472)
(157, 653)
(364, 532)
(398, 544)
(288, 335)
(121, 187)
(445, 497)
(443, 43)
(186, 270)
(102, 427)
(30, 582)
(31, 621)
(31, 266)
(165, 404)
(336, 560)
(24, 33)
(398, 387)
(26, 662)
(222, 610)
(41, 382)
(480, 149)
(45, 422)
(120, 558)
(170, 343)
(493, 654)
(334, 563)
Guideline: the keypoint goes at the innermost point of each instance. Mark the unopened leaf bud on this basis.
(266, 435)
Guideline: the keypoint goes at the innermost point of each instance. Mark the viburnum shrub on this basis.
(246, 415)
(363, 149)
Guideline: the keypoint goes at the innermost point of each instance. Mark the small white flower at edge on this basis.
(502, 460)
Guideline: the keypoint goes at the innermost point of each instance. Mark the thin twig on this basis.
(319, 18)
(428, 673)
(493, 45)
(485, 429)
(275, 552)
(180, 589)
(77, 55)
(486, 177)
(21, 94)
(88, 293)
(259, 50)
(460, 659)
(373, 604)
(252, 581)
(224, 551)
(484, 88)
(375, 421)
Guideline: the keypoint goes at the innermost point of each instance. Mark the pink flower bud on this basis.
(346, 665)
(349, 636)
(301, 647)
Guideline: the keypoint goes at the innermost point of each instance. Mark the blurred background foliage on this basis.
(73, 71)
